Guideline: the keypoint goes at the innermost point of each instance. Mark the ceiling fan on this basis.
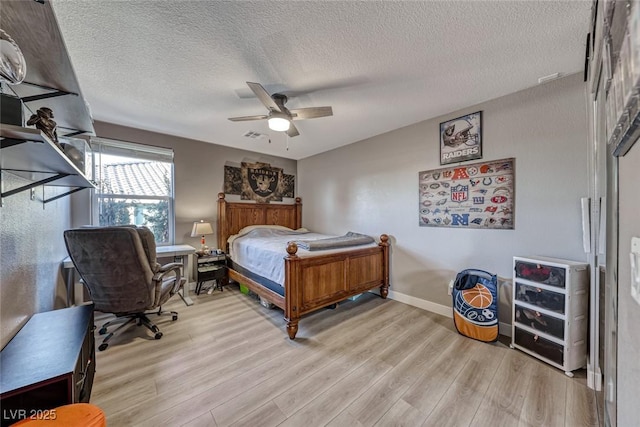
(280, 117)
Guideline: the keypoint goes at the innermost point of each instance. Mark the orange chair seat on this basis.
(74, 415)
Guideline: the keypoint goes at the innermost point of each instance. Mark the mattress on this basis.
(275, 287)
(261, 249)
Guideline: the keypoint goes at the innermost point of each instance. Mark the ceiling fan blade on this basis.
(247, 118)
(264, 96)
(293, 131)
(311, 113)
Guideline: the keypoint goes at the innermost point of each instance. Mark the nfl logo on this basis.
(459, 193)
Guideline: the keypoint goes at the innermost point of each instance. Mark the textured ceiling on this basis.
(180, 67)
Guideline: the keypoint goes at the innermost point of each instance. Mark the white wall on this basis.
(372, 187)
(31, 252)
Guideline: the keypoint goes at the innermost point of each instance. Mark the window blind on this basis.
(131, 149)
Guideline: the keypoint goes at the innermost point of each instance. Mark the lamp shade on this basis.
(201, 228)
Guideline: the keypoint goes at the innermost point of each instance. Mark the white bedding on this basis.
(262, 249)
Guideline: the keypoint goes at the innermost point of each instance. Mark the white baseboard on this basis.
(503, 328)
(421, 303)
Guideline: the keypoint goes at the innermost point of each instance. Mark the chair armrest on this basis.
(167, 269)
(169, 266)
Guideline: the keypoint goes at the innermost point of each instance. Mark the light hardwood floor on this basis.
(228, 361)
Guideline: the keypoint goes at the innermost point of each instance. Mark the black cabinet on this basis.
(50, 362)
(211, 267)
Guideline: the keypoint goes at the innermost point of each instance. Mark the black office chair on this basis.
(118, 266)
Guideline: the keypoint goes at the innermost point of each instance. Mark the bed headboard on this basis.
(233, 216)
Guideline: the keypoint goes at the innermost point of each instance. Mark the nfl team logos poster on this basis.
(479, 195)
(461, 139)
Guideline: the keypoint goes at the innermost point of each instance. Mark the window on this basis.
(135, 186)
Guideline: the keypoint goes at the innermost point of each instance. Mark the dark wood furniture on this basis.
(50, 362)
(310, 282)
(210, 267)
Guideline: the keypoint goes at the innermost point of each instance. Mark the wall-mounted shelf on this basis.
(50, 80)
(30, 154)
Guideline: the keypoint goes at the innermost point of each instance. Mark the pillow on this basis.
(248, 228)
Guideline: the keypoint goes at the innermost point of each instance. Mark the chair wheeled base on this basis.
(128, 319)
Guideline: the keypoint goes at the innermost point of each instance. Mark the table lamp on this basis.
(201, 229)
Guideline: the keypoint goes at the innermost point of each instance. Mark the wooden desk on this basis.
(184, 252)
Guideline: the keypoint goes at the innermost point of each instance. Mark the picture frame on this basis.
(461, 139)
(475, 195)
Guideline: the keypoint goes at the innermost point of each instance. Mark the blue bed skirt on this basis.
(269, 284)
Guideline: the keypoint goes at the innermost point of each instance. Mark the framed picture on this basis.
(461, 139)
(476, 195)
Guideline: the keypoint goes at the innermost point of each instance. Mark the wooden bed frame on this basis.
(310, 282)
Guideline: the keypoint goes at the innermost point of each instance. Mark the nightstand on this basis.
(211, 267)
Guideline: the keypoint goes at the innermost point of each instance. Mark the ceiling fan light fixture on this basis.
(279, 123)
(280, 117)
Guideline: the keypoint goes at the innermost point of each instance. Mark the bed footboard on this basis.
(316, 282)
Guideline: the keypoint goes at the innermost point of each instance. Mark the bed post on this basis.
(298, 207)
(384, 243)
(222, 222)
(291, 314)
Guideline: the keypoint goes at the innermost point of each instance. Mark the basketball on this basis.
(478, 297)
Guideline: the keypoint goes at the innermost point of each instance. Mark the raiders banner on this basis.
(239, 181)
(261, 182)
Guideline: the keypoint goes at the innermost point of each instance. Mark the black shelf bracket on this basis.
(10, 142)
(32, 184)
(46, 95)
(54, 92)
(74, 133)
(59, 196)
